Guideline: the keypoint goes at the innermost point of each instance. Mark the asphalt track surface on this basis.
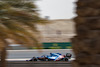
(22, 55)
(38, 64)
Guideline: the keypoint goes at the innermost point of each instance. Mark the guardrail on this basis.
(38, 64)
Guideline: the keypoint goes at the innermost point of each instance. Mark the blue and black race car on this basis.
(52, 57)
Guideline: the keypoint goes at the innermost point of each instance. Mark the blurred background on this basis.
(36, 27)
(55, 35)
(60, 30)
(32, 28)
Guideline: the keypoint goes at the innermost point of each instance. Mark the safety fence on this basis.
(54, 45)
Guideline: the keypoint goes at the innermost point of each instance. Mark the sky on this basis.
(57, 9)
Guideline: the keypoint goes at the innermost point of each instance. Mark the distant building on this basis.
(57, 31)
(55, 34)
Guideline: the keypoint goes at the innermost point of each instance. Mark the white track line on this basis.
(29, 58)
(18, 59)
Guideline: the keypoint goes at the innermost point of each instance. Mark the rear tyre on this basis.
(68, 55)
(27, 60)
(66, 59)
(34, 59)
(48, 59)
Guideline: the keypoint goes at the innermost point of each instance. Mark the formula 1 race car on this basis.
(52, 57)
